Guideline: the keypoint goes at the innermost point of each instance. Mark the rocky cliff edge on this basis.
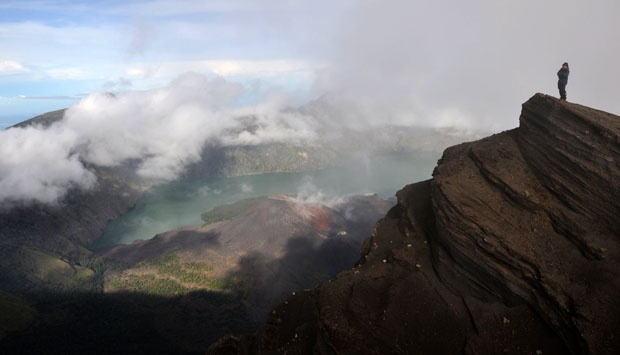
(512, 247)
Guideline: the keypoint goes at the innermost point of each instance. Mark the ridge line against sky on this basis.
(467, 63)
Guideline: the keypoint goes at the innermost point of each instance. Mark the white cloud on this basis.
(396, 60)
(164, 128)
(221, 67)
(480, 58)
(139, 71)
(164, 8)
(168, 127)
(39, 164)
(69, 53)
(8, 67)
(442, 63)
(68, 73)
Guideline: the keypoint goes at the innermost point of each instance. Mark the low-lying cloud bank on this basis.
(166, 129)
(40, 164)
(450, 64)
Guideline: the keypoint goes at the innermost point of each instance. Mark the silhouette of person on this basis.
(563, 80)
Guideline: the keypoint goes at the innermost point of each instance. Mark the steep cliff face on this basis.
(512, 247)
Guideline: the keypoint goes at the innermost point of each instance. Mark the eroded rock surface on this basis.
(512, 247)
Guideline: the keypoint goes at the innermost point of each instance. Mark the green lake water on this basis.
(180, 203)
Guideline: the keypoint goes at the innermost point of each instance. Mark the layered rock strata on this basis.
(512, 247)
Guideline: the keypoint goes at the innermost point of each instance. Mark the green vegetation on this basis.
(228, 212)
(29, 267)
(149, 284)
(276, 158)
(167, 275)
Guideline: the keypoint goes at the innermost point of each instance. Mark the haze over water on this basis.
(181, 203)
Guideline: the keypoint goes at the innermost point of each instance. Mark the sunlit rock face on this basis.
(512, 247)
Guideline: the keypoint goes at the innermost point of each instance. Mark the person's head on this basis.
(565, 65)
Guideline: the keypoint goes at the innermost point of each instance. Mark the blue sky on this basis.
(69, 49)
(446, 61)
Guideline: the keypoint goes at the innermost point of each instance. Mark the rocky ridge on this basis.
(511, 247)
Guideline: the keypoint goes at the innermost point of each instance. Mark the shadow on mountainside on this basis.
(138, 323)
(267, 280)
(128, 323)
(268, 248)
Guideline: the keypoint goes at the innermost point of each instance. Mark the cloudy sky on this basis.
(465, 61)
(179, 65)
(54, 52)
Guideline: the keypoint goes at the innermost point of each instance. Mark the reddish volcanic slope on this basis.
(272, 246)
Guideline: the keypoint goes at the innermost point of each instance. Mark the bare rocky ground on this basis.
(513, 247)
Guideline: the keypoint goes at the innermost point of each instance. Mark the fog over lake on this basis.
(181, 203)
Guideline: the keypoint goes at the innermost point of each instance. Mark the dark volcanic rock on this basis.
(512, 247)
(44, 120)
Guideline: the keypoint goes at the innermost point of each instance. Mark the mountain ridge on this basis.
(270, 247)
(511, 247)
(48, 266)
(65, 230)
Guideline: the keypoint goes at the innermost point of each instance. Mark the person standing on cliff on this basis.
(563, 80)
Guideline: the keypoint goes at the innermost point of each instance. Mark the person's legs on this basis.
(562, 89)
